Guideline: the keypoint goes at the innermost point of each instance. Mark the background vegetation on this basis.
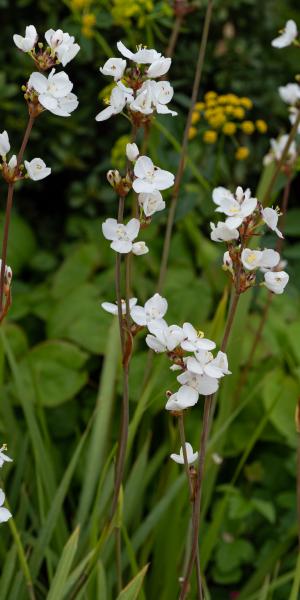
(59, 355)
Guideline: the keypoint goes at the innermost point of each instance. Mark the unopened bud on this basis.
(132, 151)
(114, 178)
(40, 45)
(168, 394)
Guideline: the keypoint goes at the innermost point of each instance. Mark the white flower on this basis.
(151, 202)
(4, 513)
(276, 281)
(270, 217)
(63, 44)
(150, 178)
(194, 340)
(54, 92)
(254, 259)
(162, 337)
(153, 310)
(159, 67)
(277, 148)
(114, 67)
(154, 95)
(132, 152)
(176, 404)
(193, 385)
(237, 208)
(3, 457)
(4, 144)
(121, 235)
(203, 363)
(28, 42)
(113, 308)
(118, 98)
(222, 233)
(290, 93)
(36, 169)
(142, 56)
(140, 248)
(190, 455)
(288, 35)
(142, 103)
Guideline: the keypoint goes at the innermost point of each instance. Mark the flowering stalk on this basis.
(184, 145)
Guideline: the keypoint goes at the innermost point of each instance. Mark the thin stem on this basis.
(174, 36)
(298, 489)
(190, 484)
(119, 559)
(9, 203)
(208, 406)
(22, 559)
(282, 160)
(182, 159)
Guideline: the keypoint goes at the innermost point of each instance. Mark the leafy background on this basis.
(59, 355)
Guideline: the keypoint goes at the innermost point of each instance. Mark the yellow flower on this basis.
(210, 96)
(195, 117)
(222, 99)
(246, 102)
(229, 110)
(210, 137)
(261, 126)
(247, 127)
(238, 112)
(210, 103)
(229, 128)
(233, 99)
(192, 132)
(242, 153)
(88, 20)
(87, 32)
(217, 120)
(209, 113)
(199, 105)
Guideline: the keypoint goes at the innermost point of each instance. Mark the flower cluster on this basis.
(136, 90)
(147, 181)
(244, 214)
(187, 348)
(4, 512)
(53, 93)
(225, 115)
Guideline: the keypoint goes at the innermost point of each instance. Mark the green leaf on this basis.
(133, 588)
(22, 243)
(286, 389)
(56, 591)
(265, 508)
(52, 373)
(79, 318)
(76, 269)
(231, 555)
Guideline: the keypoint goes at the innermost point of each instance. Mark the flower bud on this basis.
(132, 151)
(114, 178)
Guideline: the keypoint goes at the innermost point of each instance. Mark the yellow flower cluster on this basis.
(225, 114)
(123, 12)
(88, 19)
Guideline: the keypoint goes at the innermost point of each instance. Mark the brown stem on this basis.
(190, 484)
(208, 406)
(282, 161)
(9, 203)
(180, 170)
(174, 36)
(298, 489)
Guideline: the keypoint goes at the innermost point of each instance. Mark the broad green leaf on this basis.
(131, 591)
(76, 269)
(52, 371)
(22, 242)
(283, 414)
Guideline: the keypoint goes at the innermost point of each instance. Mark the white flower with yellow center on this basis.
(259, 259)
(194, 340)
(114, 67)
(276, 281)
(150, 178)
(121, 235)
(154, 309)
(36, 169)
(237, 207)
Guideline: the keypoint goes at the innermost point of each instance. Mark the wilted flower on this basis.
(190, 454)
(36, 169)
(28, 42)
(287, 36)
